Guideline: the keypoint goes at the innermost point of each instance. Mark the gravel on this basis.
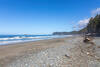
(51, 57)
(61, 56)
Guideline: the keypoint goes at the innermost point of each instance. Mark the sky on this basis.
(45, 16)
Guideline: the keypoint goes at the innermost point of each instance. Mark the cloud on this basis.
(83, 23)
(96, 11)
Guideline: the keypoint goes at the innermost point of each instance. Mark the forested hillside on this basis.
(93, 27)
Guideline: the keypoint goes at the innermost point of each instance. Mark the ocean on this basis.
(10, 39)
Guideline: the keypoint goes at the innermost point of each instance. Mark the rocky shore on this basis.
(63, 52)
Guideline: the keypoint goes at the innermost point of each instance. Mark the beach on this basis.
(58, 52)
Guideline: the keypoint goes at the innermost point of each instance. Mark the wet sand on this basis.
(66, 52)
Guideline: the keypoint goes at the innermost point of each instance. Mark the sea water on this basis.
(8, 39)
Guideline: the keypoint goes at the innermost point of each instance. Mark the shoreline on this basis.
(25, 41)
(59, 51)
(10, 52)
(22, 42)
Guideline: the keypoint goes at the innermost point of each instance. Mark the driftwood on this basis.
(88, 39)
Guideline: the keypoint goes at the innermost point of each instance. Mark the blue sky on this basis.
(43, 16)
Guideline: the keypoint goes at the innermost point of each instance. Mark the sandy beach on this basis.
(59, 52)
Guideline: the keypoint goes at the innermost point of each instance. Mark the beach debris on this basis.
(87, 53)
(90, 54)
(98, 59)
(67, 56)
(86, 39)
(98, 46)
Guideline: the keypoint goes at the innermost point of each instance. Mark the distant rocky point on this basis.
(65, 33)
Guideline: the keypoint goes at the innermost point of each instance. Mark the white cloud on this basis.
(96, 11)
(83, 23)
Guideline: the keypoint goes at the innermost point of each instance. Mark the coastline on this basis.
(40, 53)
(23, 39)
(8, 53)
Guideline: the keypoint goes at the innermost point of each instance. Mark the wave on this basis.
(10, 38)
(14, 39)
(23, 37)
